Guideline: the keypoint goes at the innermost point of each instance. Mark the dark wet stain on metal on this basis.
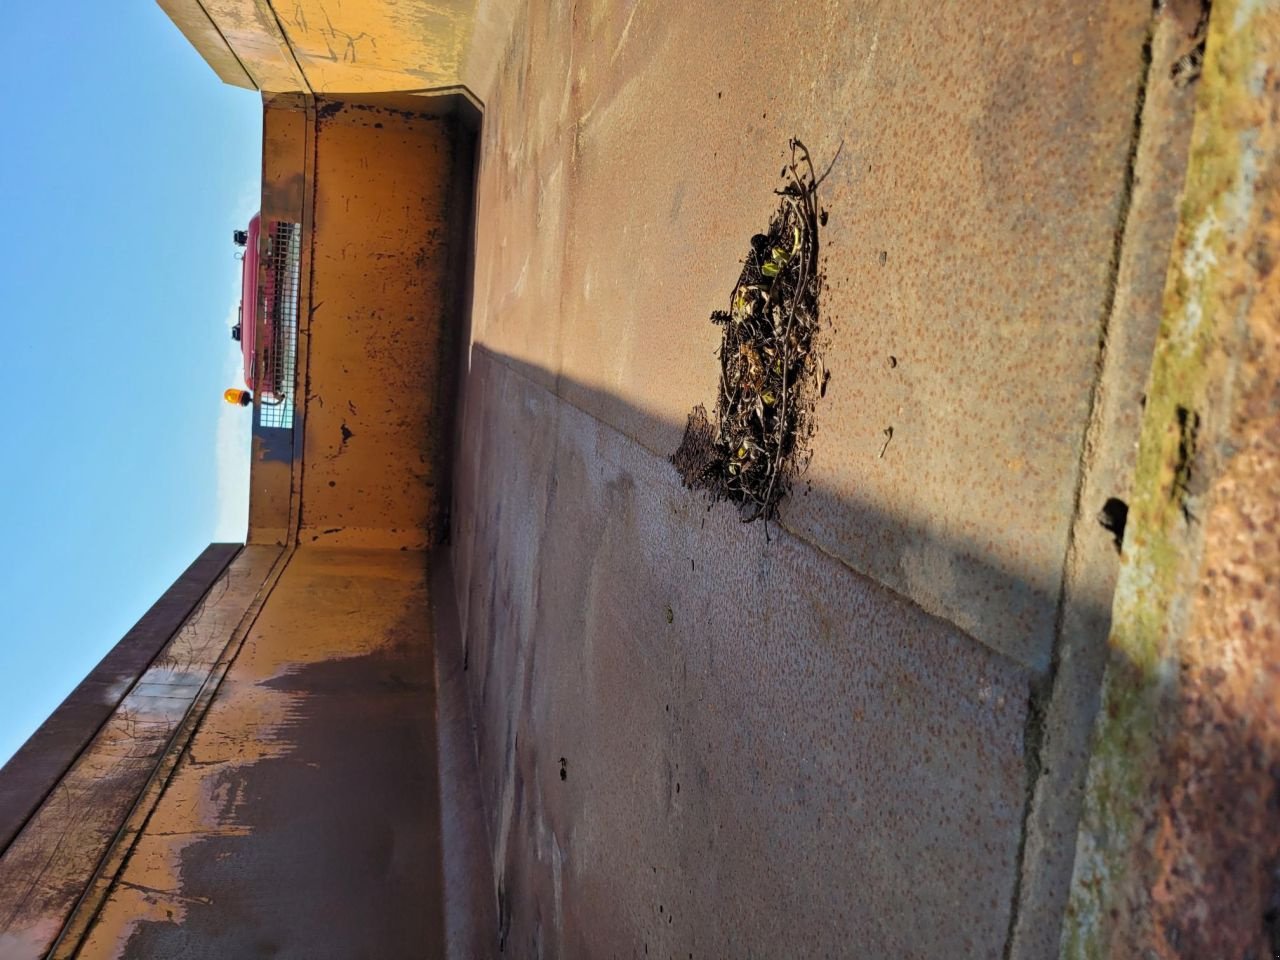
(362, 767)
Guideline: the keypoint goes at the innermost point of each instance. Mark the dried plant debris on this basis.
(1187, 68)
(771, 372)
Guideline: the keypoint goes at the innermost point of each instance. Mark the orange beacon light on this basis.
(241, 398)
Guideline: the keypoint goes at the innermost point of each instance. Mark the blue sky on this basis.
(126, 166)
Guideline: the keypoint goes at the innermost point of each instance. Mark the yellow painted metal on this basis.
(250, 31)
(375, 446)
(203, 33)
(359, 46)
(372, 46)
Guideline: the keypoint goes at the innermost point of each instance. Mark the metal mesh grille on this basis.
(279, 304)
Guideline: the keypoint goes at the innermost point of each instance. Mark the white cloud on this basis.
(232, 451)
(234, 437)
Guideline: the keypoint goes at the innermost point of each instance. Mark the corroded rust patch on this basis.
(1178, 851)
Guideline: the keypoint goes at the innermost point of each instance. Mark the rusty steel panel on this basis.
(1178, 853)
(285, 161)
(986, 167)
(1161, 138)
(974, 209)
(46, 868)
(35, 769)
(304, 818)
(378, 395)
(969, 254)
(696, 742)
(288, 150)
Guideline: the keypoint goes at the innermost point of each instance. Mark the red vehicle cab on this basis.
(256, 302)
(268, 326)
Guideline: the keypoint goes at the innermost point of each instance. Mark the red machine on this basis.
(257, 303)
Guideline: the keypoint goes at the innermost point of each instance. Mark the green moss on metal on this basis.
(1162, 551)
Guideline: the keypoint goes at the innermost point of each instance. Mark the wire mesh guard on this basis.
(279, 304)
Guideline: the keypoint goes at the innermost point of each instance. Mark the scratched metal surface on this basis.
(48, 865)
(355, 46)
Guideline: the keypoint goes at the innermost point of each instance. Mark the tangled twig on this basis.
(770, 371)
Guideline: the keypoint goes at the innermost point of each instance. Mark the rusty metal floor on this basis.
(327, 804)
